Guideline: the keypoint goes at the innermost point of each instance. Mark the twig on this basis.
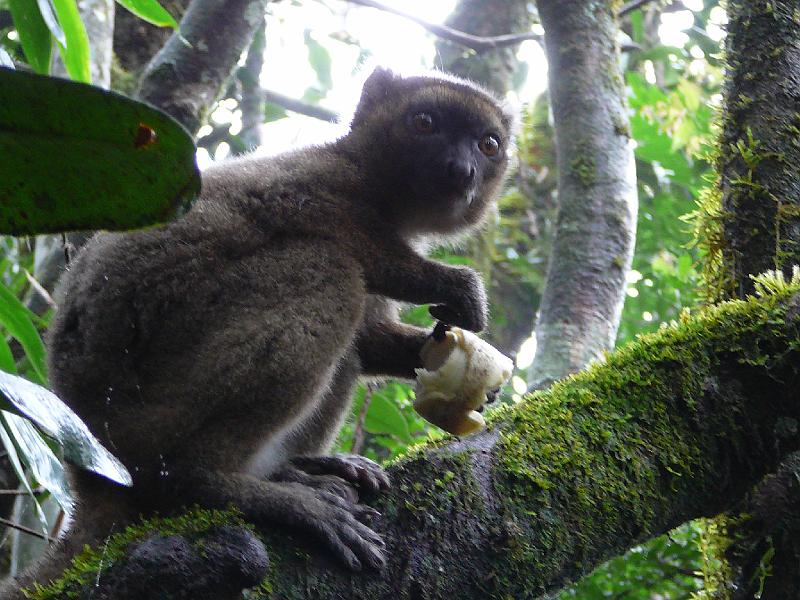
(58, 523)
(39, 288)
(475, 42)
(27, 530)
(632, 6)
(252, 102)
(298, 106)
(20, 492)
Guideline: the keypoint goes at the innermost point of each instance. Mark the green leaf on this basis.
(637, 26)
(320, 60)
(48, 13)
(7, 362)
(36, 454)
(150, 11)
(75, 52)
(33, 34)
(14, 316)
(56, 419)
(13, 457)
(78, 157)
(383, 416)
(273, 112)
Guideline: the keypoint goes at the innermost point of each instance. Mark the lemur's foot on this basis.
(357, 470)
(338, 523)
(326, 483)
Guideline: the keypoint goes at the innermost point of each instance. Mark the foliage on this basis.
(42, 23)
(53, 167)
(666, 566)
(52, 170)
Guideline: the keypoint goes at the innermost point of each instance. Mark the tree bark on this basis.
(759, 150)
(670, 428)
(498, 68)
(252, 103)
(186, 75)
(596, 227)
(758, 162)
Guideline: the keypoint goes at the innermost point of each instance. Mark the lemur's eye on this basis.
(423, 122)
(489, 145)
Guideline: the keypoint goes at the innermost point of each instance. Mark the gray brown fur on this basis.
(212, 353)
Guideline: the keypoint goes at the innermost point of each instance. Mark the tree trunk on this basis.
(759, 157)
(596, 227)
(759, 150)
(186, 75)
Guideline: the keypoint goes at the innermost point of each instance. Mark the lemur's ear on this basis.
(377, 88)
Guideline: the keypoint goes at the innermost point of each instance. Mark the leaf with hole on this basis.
(79, 157)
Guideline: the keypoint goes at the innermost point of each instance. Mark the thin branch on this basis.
(27, 530)
(475, 42)
(21, 492)
(252, 102)
(632, 6)
(671, 6)
(39, 289)
(300, 107)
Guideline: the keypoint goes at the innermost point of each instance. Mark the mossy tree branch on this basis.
(671, 427)
(596, 228)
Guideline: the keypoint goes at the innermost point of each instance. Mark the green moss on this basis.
(621, 126)
(616, 447)
(193, 525)
(584, 166)
(714, 543)
(708, 222)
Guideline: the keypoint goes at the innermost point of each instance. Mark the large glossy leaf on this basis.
(56, 419)
(75, 52)
(16, 319)
(36, 454)
(151, 11)
(78, 157)
(34, 34)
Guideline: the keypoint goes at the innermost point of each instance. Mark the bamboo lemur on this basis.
(215, 355)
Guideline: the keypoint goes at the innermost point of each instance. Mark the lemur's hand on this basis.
(466, 306)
